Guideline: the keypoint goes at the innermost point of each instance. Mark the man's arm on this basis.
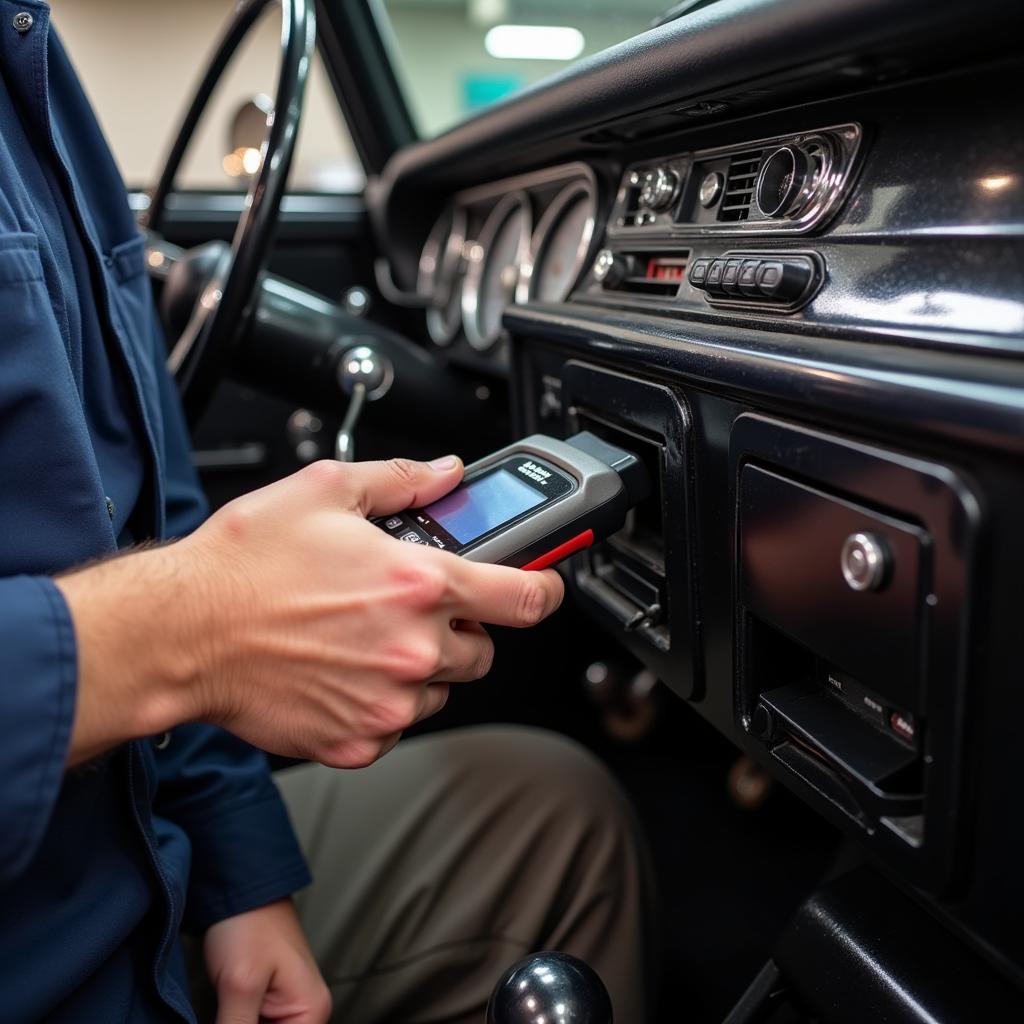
(291, 621)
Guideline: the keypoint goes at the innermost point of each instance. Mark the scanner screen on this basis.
(476, 508)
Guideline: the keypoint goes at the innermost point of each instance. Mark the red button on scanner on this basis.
(570, 547)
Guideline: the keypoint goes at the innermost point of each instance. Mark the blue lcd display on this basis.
(477, 508)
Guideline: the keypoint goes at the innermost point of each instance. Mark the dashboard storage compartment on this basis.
(851, 575)
(792, 540)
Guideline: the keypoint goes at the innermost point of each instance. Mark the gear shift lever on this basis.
(549, 988)
(365, 376)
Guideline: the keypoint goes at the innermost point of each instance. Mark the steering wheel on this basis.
(212, 286)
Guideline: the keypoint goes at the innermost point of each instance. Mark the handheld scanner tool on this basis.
(531, 504)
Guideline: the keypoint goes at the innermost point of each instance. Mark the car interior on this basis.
(772, 248)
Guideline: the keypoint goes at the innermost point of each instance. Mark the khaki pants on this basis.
(457, 854)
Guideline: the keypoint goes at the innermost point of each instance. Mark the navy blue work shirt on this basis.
(103, 864)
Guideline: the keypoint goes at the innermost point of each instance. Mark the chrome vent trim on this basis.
(835, 152)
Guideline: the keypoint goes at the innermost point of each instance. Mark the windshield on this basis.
(455, 57)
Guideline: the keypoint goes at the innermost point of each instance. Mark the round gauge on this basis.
(561, 243)
(495, 268)
(440, 274)
(443, 322)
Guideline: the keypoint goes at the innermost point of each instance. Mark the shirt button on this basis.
(23, 21)
(162, 742)
(111, 507)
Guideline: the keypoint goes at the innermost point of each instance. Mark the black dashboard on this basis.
(777, 248)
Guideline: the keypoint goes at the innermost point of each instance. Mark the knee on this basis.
(559, 781)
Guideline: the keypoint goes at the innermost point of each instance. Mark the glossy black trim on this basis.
(970, 399)
(860, 950)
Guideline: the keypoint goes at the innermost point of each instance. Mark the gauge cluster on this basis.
(524, 239)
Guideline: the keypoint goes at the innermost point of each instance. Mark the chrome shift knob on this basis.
(364, 375)
(363, 365)
(549, 988)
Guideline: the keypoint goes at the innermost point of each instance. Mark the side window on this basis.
(140, 62)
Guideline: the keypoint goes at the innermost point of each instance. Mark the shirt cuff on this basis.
(38, 673)
(243, 858)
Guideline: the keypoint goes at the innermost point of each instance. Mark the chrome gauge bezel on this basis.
(549, 220)
(477, 262)
(441, 331)
(440, 269)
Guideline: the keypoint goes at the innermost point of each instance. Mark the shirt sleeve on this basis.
(38, 669)
(218, 789)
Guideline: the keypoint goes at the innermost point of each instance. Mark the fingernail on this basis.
(443, 463)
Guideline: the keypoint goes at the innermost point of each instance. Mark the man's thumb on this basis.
(397, 484)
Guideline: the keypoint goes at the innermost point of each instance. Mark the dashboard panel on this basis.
(777, 249)
(508, 242)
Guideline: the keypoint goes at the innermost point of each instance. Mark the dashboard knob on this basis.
(610, 268)
(659, 188)
(864, 561)
(782, 178)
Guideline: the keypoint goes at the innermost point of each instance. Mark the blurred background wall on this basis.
(141, 59)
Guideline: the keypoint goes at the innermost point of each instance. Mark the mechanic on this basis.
(133, 678)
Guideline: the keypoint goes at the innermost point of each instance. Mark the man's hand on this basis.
(263, 969)
(291, 621)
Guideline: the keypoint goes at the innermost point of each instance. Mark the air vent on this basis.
(739, 185)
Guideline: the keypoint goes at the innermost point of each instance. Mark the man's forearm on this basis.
(139, 628)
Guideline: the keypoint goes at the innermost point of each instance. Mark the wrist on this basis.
(140, 639)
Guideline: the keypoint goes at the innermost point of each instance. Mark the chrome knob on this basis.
(864, 561)
(710, 189)
(610, 268)
(550, 987)
(364, 375)
(659, 188)
(362, 365)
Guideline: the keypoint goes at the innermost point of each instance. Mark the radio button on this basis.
(785, 280)
(699, 272)
(730, 276)
(748, 277)
(715, 272)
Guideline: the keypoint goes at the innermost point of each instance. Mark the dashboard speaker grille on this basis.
(739, 185)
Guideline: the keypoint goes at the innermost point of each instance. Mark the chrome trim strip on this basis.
(219, 204)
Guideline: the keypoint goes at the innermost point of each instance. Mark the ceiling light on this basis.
(997, 182)
(534, 42)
